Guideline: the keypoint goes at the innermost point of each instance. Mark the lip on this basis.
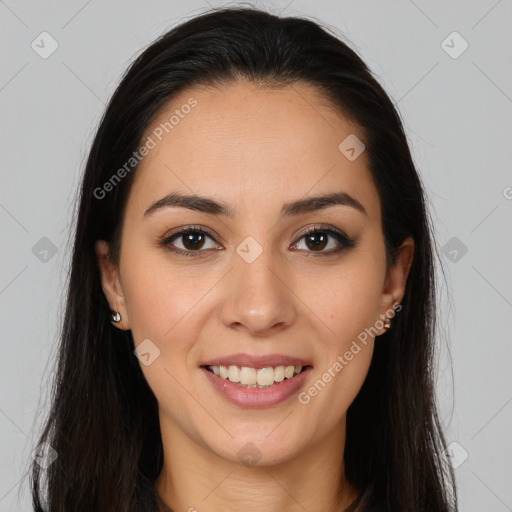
(257, 362)
(257, 398)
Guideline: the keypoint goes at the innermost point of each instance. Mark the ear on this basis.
(111, 284)
(396, 278)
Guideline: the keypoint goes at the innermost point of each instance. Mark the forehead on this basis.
(252, 146)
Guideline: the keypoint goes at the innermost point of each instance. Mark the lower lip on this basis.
(254, 397)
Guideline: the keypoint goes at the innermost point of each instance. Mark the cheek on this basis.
(344, 362)
(161, 301)
(350, 299)
(165, 305)
(158, 298)
(333, 391)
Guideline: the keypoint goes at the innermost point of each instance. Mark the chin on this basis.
(257, 449)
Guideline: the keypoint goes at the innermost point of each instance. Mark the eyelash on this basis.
(345, 241)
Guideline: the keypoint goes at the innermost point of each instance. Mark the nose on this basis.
(259, 298)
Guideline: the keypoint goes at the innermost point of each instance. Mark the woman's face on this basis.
(255, 291)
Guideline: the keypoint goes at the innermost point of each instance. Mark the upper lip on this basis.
(262, 361)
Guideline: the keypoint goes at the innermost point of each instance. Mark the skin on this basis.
(254, 148)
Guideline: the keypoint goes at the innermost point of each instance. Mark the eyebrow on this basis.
(212, 207)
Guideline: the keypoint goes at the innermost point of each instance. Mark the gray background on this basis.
(457, 112)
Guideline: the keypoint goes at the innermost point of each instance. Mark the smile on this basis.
(255, 377)
(256, 387)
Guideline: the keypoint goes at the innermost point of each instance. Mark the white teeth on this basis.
(265, 376)
(234, 373)
(247, 375)
(279, 373)
(289, 371)
(252, 377)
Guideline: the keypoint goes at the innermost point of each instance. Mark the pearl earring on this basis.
(115, 316)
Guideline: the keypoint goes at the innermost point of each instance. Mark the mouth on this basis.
(258, 378)
(256, 386)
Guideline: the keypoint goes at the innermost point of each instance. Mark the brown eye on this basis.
(192, 240)
(318, 239)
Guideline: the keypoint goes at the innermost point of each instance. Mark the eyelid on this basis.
(185, 229)
(319, 227)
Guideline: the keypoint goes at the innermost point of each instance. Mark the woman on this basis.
(251, 307)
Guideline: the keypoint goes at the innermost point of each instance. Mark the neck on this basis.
(194, 478)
